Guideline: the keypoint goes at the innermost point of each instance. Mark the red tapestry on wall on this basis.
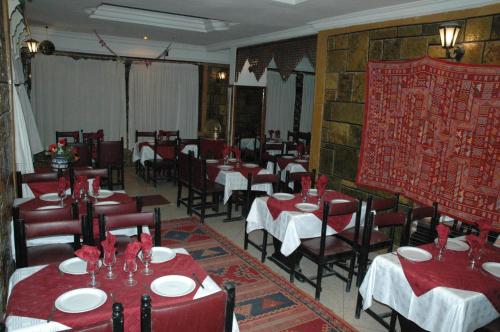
(432, 133)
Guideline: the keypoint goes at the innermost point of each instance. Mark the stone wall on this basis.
(344, 85)
(6, 164)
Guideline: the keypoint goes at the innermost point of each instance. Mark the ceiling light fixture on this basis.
(157, 18)
(449, 33)
(145, 37)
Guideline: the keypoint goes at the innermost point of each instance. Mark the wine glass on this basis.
(475, 254)
(61, 192)
(95, 192)
(108, 261)
(441, 244)
(92, 268)
(130, 267)
(146, 259)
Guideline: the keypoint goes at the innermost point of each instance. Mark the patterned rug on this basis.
(264, 300)
(431, 134)
(154, 200)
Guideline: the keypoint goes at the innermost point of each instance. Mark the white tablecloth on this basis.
(147, 153)
(290, 226)
(247, 143)
(440, 309)
(233, 180)
(25, 324)
(291, 167)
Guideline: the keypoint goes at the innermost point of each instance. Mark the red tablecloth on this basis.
(283, 162)
(338, 223)
(165, 151)
(213, 170)
(452, 272)
(34, 296)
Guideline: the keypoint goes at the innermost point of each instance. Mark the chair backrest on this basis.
(91, 173)
(66, 212)
(75, 135)
(149, 135)
(304, 138)
(183, 167)
(189, 141)
(198, 173)
(214, 313)
(168, 149)
(85, 154)
(296, 178)
(115, 324)
(292, 136)
(110, 153)
(165, 135)
(272, 179)
(93, 137)
(339, 209)
(382, 204)
(419, 213)
(33, 177)
(138, 219)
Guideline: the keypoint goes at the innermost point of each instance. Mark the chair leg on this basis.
(359, 304)
(363, 261)
(352, 264)
(319, 278)
(264, 247)
(245, 241)
(392, 324)
(292, 271)
(179, 193)
(203, 207)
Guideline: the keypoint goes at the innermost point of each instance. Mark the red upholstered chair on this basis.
(250, 195)
(85, 154)
(143, 136)
(49, 253)
(164, 161)
(110, 155)
(74, 135)
(213, 313)
(33, 177)
(138, 219)
(296, 178)
(326, 250)
(427, 218)
(114, 324)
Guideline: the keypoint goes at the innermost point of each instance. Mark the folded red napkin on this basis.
(443, 232)
(300, 149)
(62, 183)
(131, 251)
(108, 244)
(96, 184)
(321, 184)
(475, 243)
(146, 242)
(226, 151)
(277, 134)
(484, 229)
(90, 254)
(237, 153)
(305, 182)
(77, 188)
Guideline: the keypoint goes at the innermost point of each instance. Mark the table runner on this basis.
(283, 162)
(49, 283)
(452, 272)
(213, 170)
(338, 223)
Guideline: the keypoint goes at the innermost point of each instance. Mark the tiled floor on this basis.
(333, 295)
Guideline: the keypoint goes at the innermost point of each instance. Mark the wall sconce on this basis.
(449, 33)
(32, 46)
(221, 75)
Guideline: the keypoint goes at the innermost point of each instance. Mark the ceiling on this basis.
(252, 17)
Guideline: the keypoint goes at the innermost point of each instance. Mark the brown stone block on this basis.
(492, 53)
(328, 112)
(341, 42)
(391, 49)
(436, 51)
(384, 33)
(345, 87)
(478, 28)
(330, 95)
(331, 81)
(347, 112)
(358, 54)
(410, 30)
(358, 88)
(330, 43)
(495, 30)
(434, 40)
(346, 134)
(430, 28)
(473, 52)
(336, 61)
(375, 51)
(345, 162)
(413, 47)
(326, 161)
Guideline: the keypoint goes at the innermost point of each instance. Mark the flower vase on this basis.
(59, 163)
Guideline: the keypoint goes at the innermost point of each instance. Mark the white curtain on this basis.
(307, 103)
(70, 94)
(280, 102)
(163, 96)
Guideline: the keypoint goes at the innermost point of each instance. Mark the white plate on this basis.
(335, 201)
(455, 245)
(173, 285)
(49, 207)
(493, 268)
(283, 196)
(74, 265)
(313, 192)
(414, 254)
(212, 161)
(288, 157)
(301, 160)
(233, 160)
(50, 197)
(250, 165)
(107, 203)
(103, 193)
(225, 167)
(160, 255)
(307, 207)
(81, 300)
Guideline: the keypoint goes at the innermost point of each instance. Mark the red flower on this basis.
(52, 148)
(62, 142)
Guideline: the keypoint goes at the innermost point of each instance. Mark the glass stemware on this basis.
(92, 270)
(146, 259)
(109, 260)
(95, 193)
(475, 254)
(130, 267)
(61, 193)
(441, 244)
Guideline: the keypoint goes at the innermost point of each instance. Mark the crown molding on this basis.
(134, 47)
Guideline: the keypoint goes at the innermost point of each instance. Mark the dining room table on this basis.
(437, 295)
(57, 297)
(290, 163)
(144, 150)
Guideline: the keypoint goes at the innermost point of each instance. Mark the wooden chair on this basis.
(296, 178)
(138, 219)
(266, 157)
(110, 155)
(272, 179)
(292, 136)
(49, 253)
(325, 250)
(427, 218)
(248, 154)
(167, 162)
(74, 135)
(200, 188)
(90, 173)
(214, 313)
(114, 324)
(183, 142)
(305, 138)
(33, 177)
(93, 137)
(143, 136)
(183, 176)
(85, 154)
